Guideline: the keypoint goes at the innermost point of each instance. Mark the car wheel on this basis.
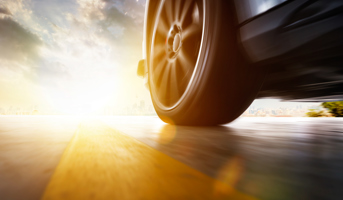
(197, 75)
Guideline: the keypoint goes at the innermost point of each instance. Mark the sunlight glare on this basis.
(82, 99)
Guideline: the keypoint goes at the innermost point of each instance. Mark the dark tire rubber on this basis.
(223, 84)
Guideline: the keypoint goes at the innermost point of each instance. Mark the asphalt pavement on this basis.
(59, 157)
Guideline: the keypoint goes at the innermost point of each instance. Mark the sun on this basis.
(79, 99)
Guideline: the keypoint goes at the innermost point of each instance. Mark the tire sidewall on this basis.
(216, 78)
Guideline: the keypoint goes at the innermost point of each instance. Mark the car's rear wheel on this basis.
(196, 74)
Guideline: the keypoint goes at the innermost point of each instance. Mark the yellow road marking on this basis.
(101, 163)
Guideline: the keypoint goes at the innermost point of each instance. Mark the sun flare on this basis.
(82, 99)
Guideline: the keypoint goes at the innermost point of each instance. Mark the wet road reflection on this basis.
(295, 158)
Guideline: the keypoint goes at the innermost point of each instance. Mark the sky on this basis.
(72, 55)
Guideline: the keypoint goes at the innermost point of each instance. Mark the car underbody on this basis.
(302, 52)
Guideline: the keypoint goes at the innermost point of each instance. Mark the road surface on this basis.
(59, 157)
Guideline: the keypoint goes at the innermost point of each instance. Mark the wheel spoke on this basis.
(195, 14)
(157, 74)
(190, 31)
(185, 10)
(169, 11)
(186, 64)
(174, 84)
(184, 60)
(162, 27)
(178, 7)
(163, 89)
(159, 50)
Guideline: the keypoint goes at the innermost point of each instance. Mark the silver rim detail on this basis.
(176, 45)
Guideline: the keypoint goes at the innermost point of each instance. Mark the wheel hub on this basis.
(177, 42)
(174, 41)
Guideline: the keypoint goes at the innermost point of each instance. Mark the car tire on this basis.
(196, 72)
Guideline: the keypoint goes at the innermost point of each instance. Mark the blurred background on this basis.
(70, 57)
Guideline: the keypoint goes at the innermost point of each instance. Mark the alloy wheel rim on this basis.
(176, 45)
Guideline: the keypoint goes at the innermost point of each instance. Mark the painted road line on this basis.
(102, 163)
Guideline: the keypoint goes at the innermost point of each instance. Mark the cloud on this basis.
(100, 32)
(18, 44)
(96, 30)
(71, 45)
(20, 9)
(4, 10)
